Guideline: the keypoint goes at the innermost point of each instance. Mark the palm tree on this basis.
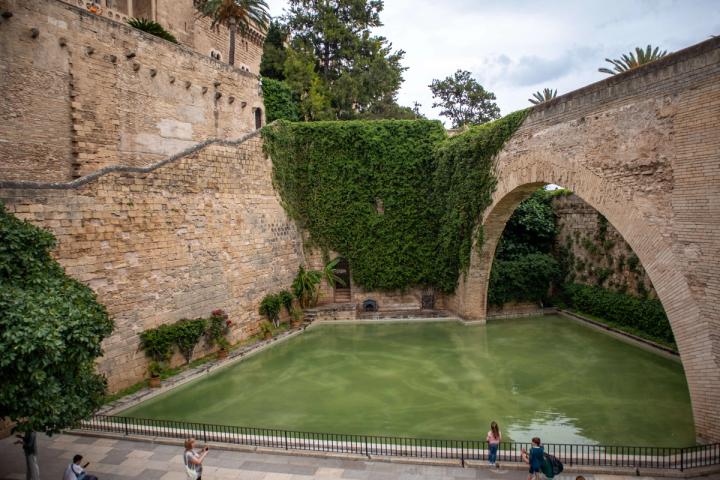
(633, 60)
(542, 97)
(236, 15)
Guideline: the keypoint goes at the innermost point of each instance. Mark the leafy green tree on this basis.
(543, 96)
(236, 15)
(633, 60)
(463, 100)
(51, 328)
(531, 228)
(272, 64)
(354, 70)
(279, 101)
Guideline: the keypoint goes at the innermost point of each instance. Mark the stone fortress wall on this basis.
(81, 91)
(597, 258)
(202, 231)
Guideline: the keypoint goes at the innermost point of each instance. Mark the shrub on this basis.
(266, 328)
(286, 299)
(270, 307)
(158, 342)
(645, 315)
(525, 278)
(218, 326)
(152, 27)
(187, 334)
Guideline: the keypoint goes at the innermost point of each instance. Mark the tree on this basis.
(236, 15)
(355, 71)
(633, 60)
(272, 63)
(52, 326)
(463, 100)
(542, 97)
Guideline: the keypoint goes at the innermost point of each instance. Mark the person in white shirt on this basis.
(76, 472)
(193, 460)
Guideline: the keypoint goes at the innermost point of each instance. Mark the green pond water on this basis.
(549, 377)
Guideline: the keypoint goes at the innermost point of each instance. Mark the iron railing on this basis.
(386, 446)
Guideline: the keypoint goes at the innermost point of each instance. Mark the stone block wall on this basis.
(199, 232)
(86, 92)
(596, 258)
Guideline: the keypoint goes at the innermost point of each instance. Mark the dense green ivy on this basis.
(398, 199)
(645, 315)
(279, 101)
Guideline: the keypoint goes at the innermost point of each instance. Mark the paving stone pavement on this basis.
(125, 459)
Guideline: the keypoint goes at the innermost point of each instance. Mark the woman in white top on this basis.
(192, 459)
(494, 437)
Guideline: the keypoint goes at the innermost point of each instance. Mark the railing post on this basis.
(367, 452)
(126, 426)
(285, 438)
(204, 434)
(682, 459)
(462, 453)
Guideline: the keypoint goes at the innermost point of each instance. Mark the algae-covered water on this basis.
(548, 376)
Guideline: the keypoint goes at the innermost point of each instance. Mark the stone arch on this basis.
(519, 179)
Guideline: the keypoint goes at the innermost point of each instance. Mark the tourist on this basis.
(76, 472)
(193, 460)
(493, 438)
(534, 459)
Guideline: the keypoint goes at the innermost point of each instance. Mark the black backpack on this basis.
(551, 465)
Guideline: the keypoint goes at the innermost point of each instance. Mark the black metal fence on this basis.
(383, 446)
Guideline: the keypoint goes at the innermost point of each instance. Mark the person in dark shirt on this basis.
(534, 458)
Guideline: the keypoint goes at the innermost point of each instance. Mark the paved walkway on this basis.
(125, 459)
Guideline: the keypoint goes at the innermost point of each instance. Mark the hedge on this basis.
(645, 315)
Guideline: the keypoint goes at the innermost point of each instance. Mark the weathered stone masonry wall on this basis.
(88, 92)
(202, 232)
(609, 261)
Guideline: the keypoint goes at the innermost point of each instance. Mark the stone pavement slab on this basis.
(119, 459)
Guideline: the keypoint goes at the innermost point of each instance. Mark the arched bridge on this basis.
(643, 148)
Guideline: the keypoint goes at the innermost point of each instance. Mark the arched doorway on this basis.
(258, 118)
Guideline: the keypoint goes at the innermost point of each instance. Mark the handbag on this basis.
(190, 471)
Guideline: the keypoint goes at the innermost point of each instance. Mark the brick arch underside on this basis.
(518, 180)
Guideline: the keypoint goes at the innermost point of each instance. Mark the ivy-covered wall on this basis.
(398, 198)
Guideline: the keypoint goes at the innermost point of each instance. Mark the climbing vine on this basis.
(398, 199)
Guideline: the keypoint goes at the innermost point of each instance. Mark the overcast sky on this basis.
(516, 47)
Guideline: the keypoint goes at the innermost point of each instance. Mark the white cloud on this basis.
(516, 47)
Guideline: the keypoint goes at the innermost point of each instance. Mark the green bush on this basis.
(158, 342)
(279, 101)
(524, 278)
(645, 315)
(270, 307)
(187, 335)
(286, 300)
(152, 27)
